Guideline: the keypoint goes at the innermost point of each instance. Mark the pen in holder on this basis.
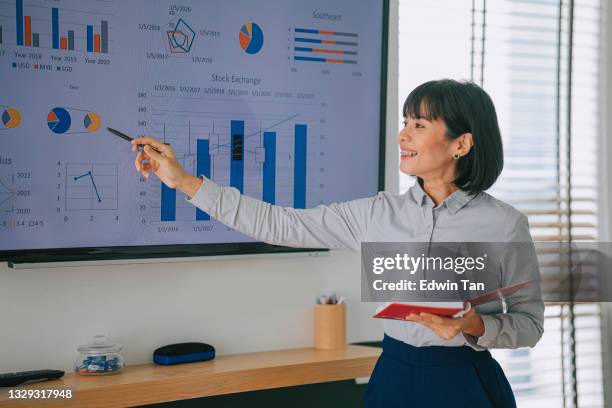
(330, 326)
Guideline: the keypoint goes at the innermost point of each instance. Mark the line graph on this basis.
(91, 186)
(92, 182)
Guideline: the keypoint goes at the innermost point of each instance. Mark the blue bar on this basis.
(55, 27)
(89, 38)
(299, 171)
(237, 155)
(19, 16)
(308, 40)
(306, 31)
(305, 49)
(269, 168)
(315, 59)
(168, 203)
(202, 169)
(312, 31)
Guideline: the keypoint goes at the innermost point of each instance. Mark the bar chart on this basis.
(312, 45)
(249, 161)
(63, 34)
(98, 42)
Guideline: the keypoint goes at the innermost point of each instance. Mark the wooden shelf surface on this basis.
(149, 383)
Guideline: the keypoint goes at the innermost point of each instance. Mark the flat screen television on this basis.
(282, 99)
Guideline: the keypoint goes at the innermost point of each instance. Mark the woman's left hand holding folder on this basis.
(447, 328)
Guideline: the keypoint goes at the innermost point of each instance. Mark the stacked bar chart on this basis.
(27, 36)
(314, 45)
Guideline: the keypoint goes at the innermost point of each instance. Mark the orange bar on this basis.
(28, 31)
(334, 60)
(328, 42)
(327, 51)
(63, 43)
(326, 32)
(96, 42)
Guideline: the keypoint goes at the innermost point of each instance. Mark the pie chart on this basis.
(11, 118)
(251, 38)
(92, 122)
(59, 120)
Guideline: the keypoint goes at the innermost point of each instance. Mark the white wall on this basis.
(235, 305)
(238, 306)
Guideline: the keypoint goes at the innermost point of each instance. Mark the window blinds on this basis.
(539, 60)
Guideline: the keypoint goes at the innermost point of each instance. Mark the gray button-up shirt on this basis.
(409, 217)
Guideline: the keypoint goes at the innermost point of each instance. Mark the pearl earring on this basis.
(456, 156)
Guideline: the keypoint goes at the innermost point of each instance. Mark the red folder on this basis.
(399, 311)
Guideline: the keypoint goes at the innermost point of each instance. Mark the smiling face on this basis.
(425, 149)
(451, 138)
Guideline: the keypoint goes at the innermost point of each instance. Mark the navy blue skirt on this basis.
(424, 377)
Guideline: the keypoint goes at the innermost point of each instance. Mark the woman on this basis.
(451, 141)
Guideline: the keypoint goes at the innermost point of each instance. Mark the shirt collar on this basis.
(454, 202)
(418, 193)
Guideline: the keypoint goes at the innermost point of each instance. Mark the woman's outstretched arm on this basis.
(338, 225)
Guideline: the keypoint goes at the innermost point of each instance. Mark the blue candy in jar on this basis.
(99, 357)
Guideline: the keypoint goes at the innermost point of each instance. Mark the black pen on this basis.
(128, 138)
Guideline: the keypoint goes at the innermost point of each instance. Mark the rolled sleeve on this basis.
(523, 324)
(490, 333)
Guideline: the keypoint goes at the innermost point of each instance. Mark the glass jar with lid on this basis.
(99, 357)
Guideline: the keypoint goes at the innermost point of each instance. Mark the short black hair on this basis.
(465, 108)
